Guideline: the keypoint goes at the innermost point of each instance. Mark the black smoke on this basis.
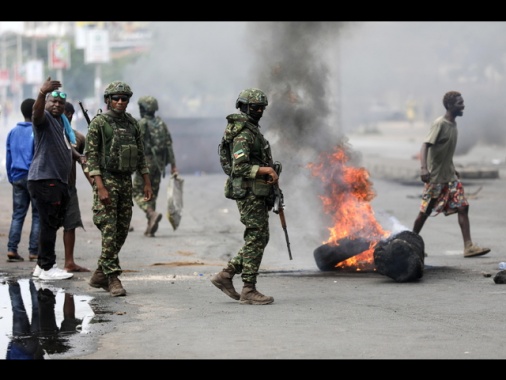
(295, 65)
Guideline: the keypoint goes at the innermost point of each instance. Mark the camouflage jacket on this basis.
(250, 149)
(157, 142)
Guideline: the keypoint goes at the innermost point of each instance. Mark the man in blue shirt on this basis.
(19, 157)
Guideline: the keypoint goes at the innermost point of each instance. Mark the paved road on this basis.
(172, 311)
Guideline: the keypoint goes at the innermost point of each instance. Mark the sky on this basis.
(11, 26)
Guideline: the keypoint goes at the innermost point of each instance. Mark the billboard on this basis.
(59, 55)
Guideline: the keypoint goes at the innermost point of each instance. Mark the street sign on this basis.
(59, 55)
(97, 46)
(34, 71)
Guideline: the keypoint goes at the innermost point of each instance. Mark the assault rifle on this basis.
(279, 206)
(85, 113)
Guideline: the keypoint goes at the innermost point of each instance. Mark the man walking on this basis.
(443, 191)
(159, 153)
(252, 179)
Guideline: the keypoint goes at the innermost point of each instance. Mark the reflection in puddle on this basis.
(37, 319)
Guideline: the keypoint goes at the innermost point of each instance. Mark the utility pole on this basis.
(19, 59)
(4, 67)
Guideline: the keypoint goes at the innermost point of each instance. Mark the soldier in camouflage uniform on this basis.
(114, 151)
(252, 179)
(159, 153)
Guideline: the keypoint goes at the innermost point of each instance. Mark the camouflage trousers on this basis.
(254, 215)
(113, 220)
(138, 189)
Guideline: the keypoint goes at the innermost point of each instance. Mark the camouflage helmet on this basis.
(149, 103)
(118, 88)
(251, 96)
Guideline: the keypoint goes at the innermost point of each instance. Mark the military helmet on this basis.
(149, 103)
(117, 88)
(251, 96)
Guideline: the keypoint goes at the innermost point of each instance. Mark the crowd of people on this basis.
(116, 157)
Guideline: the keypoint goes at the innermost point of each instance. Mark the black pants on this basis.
(51, 197)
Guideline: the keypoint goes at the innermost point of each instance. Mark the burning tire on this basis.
(327, 256)
(401, 257)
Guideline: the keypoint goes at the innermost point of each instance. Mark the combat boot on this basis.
(223, 281)
(251, 296)
(99, 280)
(153, 220)
(115, 287)
(148, 229)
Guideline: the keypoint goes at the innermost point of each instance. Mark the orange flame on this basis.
(348, 192)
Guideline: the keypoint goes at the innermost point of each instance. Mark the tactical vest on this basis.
(122, 155)
(260, 154)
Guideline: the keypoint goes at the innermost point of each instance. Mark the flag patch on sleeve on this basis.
(238, 154)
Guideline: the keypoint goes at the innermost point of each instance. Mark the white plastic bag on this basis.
(175, 200)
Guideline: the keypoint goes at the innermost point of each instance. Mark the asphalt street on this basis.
(172, 311)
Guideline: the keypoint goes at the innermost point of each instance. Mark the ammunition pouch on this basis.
(234, 188)
(237, 188)
(260, 187)
(126, 161)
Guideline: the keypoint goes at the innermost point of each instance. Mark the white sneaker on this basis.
(38, 270)
(54, 274)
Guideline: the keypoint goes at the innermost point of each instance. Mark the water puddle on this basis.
(38, 319)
